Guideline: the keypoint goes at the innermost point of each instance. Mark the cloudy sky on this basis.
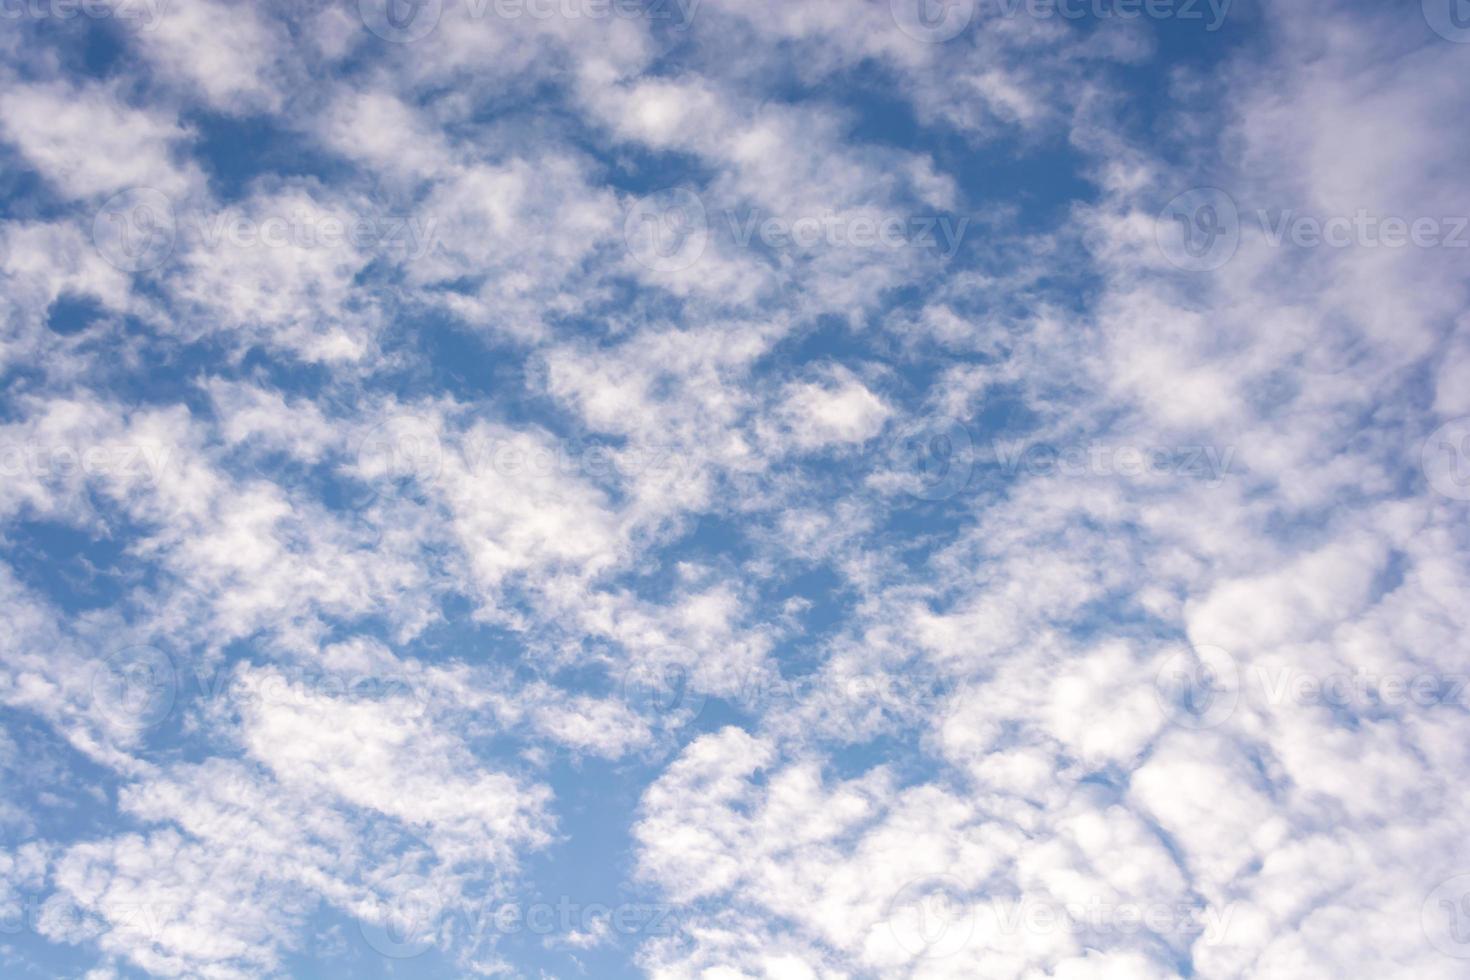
(776, 489)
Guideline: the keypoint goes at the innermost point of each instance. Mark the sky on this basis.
(774, 489)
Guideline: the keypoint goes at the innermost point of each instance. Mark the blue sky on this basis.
(734, 489)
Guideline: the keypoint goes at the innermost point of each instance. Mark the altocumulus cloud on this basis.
(721, 489)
